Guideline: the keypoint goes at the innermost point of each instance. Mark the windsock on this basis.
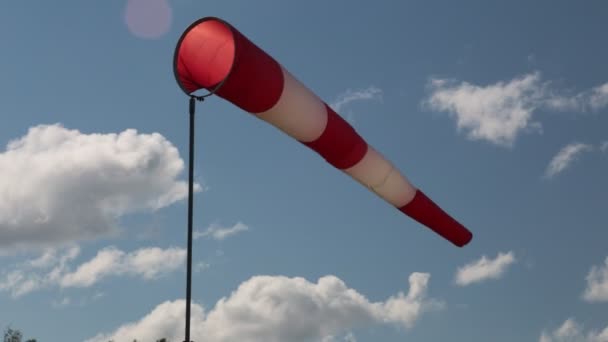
(212, 54)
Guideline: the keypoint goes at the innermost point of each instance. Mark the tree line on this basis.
(14, 335)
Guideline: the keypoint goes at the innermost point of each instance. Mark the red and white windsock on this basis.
(211, 53)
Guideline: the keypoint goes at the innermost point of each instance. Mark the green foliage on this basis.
(12, 335)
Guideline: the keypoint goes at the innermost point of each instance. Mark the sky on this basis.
(497, 110)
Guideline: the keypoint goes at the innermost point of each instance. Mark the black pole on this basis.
(190, 214)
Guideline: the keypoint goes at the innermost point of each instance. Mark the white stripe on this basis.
(298, 112)
(380, 176)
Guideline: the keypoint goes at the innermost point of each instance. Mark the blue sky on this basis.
(497, 110)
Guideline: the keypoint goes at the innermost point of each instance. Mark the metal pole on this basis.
(190, 214)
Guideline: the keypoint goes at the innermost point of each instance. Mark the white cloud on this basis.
(590, 100)
(597, 284)
(599, 97)
(496, 113)
(277, 309)
(572, 331)
(349, 96)
(59, 304)
(484, 269)
(201, 266)
(153, 262)
(82, 301)
(218, 232)
(106, 262)
(49, 258)
(565, 157)
(604, 146)
(165, 320)
(500, 112)
(347, 337)
(61, 185)
(38, 273)
(147, 263)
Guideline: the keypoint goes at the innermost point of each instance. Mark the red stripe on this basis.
(425, 211)
(256, 81)
(339, 143)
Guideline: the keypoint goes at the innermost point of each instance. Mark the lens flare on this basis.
(148, 19)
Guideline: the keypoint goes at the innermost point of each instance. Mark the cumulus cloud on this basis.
(572, 331)
(496, 113)
(484, 269)
(597, 284)
(60, 185)
(277, 308)
(349, 96)
(53, 269)
(500, 112)
(565, 157)
(165, 321)
(218, 232)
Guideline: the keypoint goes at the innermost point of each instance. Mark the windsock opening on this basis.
(211, 54)
(210, 42)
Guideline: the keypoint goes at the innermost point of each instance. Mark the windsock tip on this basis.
(464, 240)
(425, 211)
